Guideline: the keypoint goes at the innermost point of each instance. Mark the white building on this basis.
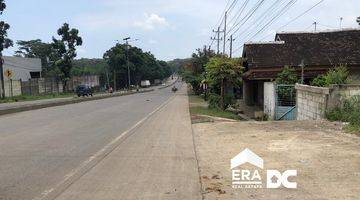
(22, 68)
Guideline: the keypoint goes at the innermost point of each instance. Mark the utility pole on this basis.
(127, 60)
(231, 45)
(217, 38)
(315, 25)
(2, 76)
(341, 20)
(225, 21)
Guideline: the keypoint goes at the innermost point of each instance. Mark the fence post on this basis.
(21, 87)
(11, 88)
(30, 89)
(52, 86)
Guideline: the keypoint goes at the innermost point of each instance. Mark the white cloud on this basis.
(151, 22)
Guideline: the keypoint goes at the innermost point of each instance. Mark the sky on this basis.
(168, 28)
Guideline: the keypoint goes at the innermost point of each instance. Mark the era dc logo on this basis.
(275, 179)
(244, 178)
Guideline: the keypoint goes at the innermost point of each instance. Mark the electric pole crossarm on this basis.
(217, 39)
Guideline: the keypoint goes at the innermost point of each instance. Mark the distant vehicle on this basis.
(84, 90)
(163, 84)
(145, 83)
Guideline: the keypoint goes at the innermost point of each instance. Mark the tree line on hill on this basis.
(113, 67)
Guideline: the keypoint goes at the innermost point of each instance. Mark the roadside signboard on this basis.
(8, 73)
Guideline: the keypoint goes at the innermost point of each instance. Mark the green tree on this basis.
(5, 43)
(194, 71)
(65, 51)
(287, 77)
(358, 20)
(36, 49)
(337, 75)
(143, 65)
(222, 72)
(178, 64)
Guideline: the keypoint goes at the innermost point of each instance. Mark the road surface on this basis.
(46, 152)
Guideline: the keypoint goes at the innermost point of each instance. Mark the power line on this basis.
(283, 11)
(297, 17)
(232, 6)
(246, 17)
(277, 15)
(262, 18)
(302, 14)
(223, 13)
(239, 12)
(220, 21)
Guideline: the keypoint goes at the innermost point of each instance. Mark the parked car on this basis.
(84, 90)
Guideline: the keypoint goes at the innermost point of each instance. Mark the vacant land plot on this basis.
(327, 160)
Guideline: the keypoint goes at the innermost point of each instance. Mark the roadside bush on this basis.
(229, 100)
(319, 81)
(348, 112)
(215, 100)
(287, 76)
(338, 75)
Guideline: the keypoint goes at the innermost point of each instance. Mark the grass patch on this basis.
(214, 112)
(198, 106)
(196, 99)
(34, 98)
(348, 112)
(354, 129)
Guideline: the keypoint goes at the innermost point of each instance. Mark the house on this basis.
(22, 68)
(316, 51)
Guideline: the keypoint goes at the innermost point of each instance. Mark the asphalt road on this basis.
(39, 148)
(157, 161)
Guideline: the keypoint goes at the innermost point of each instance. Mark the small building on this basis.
(22, 68)
(317, 51)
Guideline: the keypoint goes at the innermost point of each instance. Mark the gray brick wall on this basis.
(313, 102)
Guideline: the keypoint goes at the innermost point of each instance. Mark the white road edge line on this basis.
(87, 165)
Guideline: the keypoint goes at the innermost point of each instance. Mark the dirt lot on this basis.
(327, 160)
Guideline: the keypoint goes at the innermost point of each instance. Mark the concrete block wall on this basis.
(339, 93)
(12, 88)
(41, 82)
(311, 102)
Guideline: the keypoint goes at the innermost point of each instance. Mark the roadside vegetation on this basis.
(349, 112)
(33, 98)
(201, 112)
(337, 75)
(211, 78)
